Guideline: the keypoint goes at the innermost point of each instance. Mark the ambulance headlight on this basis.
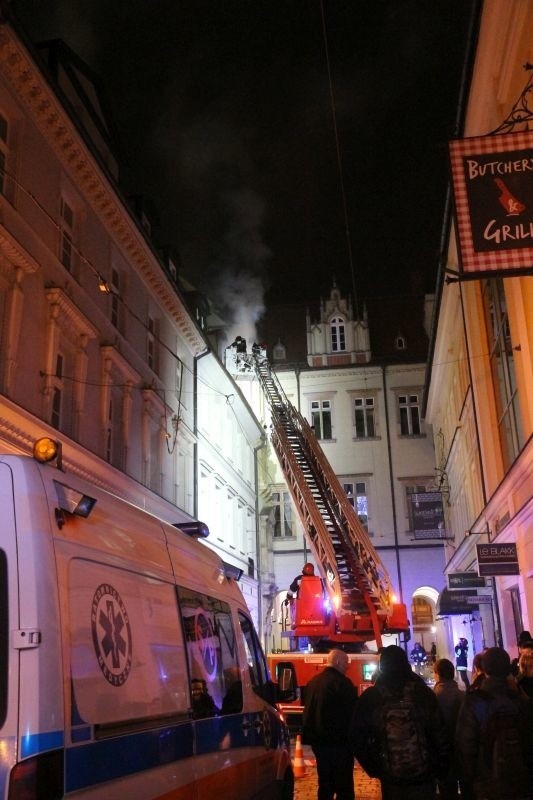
(46, 449)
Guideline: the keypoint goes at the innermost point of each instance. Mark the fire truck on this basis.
(351, 602)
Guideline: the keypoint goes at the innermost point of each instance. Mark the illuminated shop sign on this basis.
(493, 189)
(428, 515)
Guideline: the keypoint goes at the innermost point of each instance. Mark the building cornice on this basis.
(56, 126)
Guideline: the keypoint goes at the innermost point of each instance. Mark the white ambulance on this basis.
(109, 618)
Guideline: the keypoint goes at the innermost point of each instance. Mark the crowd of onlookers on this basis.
(473, 743)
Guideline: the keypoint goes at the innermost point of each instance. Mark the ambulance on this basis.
(297, 668)
(108, 619)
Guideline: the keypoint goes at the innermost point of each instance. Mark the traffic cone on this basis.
(298, 764)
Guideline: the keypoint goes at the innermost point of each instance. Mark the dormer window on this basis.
(338, 339)
(400, 343)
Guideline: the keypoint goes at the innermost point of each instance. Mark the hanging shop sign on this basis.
(497, 559)
(449, 603)
(465, 580)
(493, 189)
(427, 514)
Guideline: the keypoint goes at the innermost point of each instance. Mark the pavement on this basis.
(306, 787)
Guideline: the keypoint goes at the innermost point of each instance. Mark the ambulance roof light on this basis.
(46, 449)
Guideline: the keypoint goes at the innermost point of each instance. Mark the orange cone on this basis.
(298, 764)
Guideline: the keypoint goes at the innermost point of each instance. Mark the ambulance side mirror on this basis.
(286, 680)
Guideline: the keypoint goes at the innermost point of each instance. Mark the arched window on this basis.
(400, 343)
(338, 340)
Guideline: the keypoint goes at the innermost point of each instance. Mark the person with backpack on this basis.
(449, 698)
(493, 735)
(398, 732)
(330, 701)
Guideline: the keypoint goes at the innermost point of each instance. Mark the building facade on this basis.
(98, 347)
(479, 391)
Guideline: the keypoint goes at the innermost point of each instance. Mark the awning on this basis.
(453, 602)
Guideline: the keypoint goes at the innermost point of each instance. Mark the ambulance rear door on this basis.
(9, 622)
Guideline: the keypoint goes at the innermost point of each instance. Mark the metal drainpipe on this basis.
(258, 447)
(391, 479)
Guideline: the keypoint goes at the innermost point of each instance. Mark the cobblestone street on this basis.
(305, 788)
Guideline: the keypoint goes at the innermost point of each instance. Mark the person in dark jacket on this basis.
(330, 701)
(524, 643)
(525, 673)
(472, 743)
(461, 660)
(449, 698)
(396, 681)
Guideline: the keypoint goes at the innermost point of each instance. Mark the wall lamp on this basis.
(72, 501)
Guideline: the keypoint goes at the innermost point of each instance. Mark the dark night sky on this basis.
(224, 111)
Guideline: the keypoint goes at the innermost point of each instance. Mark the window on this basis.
(400, 343)
(255, 658)
(283, 523)
(358, 498)
(364, 417)
(419, 488)
(113, 438)
(409, 409)
(66, 255)
(57, 391)
(3, 152)
(502, 365)
(115, 298)
(211, 648)
(68, 335)
(321, 418)
(151, 343)
(279, 352)
(338, 340)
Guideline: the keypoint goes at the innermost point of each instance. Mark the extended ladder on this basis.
(355, 578)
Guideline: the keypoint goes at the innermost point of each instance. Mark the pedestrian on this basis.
(525, 673)
(461, 660)
(477, 671)
(398, 732)
(419, 657)
(329, 705)
(493, 735)
(525, 642)
(433, 652)
(449, 698)
(203, 704)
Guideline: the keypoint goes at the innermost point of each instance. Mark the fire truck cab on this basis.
(304, 666)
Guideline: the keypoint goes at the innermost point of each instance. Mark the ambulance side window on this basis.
(255, 657)
(4, 627)
(216, 687)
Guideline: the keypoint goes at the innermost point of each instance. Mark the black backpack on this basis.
(404, 745)
(503, 735)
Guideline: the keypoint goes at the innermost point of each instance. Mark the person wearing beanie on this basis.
(493, 741)
(398, 703)
(524, 643)
(329, 704)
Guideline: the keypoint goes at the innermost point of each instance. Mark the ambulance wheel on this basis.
(287, 787)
